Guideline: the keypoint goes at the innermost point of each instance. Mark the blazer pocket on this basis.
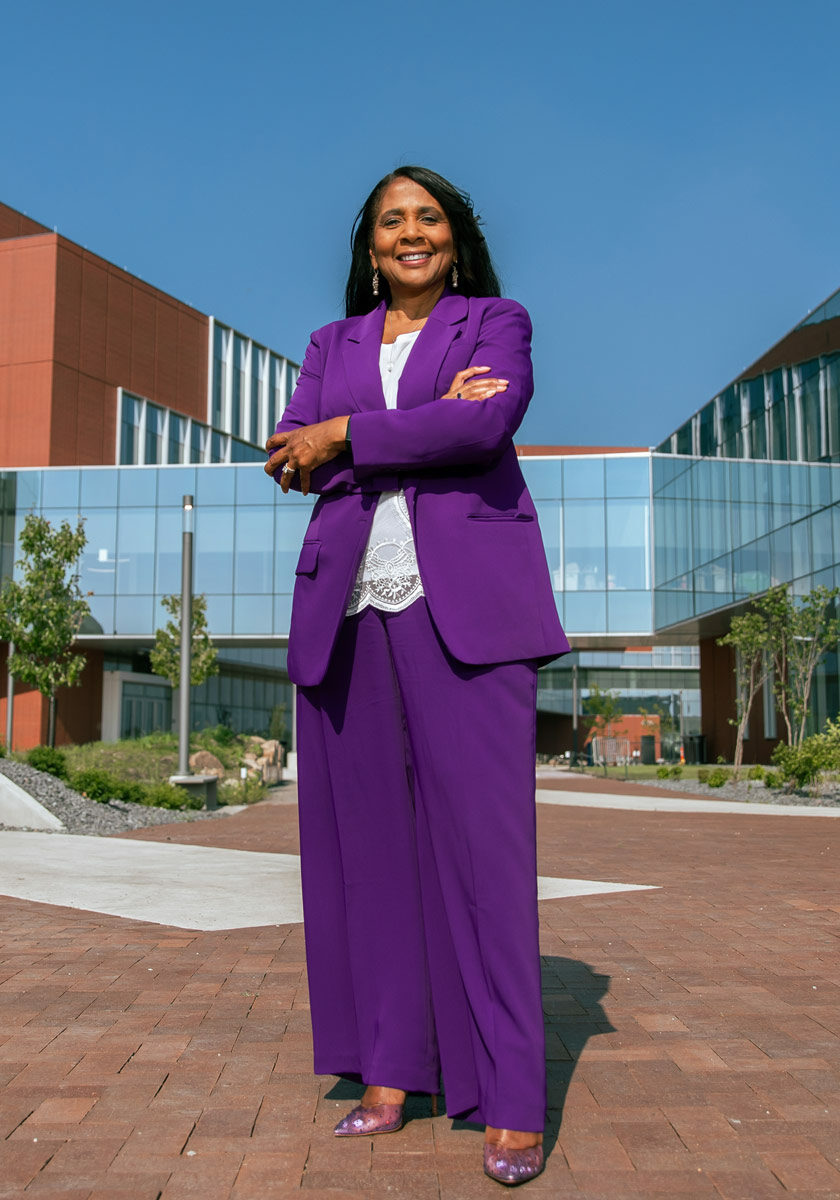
(308, 561)
(499, 516)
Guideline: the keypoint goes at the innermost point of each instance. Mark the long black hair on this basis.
(476, 273)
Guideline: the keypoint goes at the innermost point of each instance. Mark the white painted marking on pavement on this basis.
(686, 804)
(191, 887)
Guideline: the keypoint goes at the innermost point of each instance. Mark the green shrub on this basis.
(45, 758)
(167, 795)
(756, 772)
(675, 772)
(718, 777)
(663, 772)
(772, 779)
(223, 734)
(2, 750)
(702, 775)
(97, 784)
(817, 753)
(802, 764)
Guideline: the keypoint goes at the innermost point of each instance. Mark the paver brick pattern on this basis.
(693, 1034)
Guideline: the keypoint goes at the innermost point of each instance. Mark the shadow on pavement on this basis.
(572, 995)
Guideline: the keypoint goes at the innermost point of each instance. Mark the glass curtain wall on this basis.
(595, 517)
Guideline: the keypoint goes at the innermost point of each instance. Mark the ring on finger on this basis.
(287, 470)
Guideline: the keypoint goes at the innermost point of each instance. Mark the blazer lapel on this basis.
(360, 354)
(419, 377)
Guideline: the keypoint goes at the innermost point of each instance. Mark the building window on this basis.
(130, 429)
(177, 438)
(250, 386)
(219, 375)
(198, 442)
(257, 372)
(155, 422)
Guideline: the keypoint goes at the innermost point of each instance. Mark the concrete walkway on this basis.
(191, 887)
(17, 807)
(693, 1035)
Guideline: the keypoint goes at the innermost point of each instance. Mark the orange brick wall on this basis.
(14, 224)
(78, 714)
(74, 328)
(114, 330)
(27, 307)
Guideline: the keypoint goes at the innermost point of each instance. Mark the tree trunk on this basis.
(739, 745)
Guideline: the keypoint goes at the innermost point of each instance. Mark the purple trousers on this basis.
(418, 857)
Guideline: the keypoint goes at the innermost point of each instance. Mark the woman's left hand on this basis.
(303, 449)
(465, 387)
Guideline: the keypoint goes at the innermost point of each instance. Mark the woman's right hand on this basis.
(465, 387)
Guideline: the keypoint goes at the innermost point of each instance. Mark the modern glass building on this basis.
(596, 515)
(785, 407)
(116, 400)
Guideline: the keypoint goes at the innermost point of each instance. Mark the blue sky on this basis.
(658, 180)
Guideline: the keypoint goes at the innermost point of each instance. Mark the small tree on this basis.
(777, 611)
(748, 636)
(42, 611)
(813, 632)
(604, 706)
(165, 658)
(799, 634)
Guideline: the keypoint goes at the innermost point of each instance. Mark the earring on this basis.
(375, 281)
(454, 275)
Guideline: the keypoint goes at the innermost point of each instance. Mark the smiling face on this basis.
(412, 240)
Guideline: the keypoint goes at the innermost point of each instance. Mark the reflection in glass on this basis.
(253, 486)
(213, 549)
(282, 613)
(155, 418)
(98, 489)
(292, 520)
(133, 614)
(215, 487)
(628, 612)
(138, 486)
(628, 544)
(168, 551)
(219, 614)
(136, 551)
(102, 614)
(628, 476)
(251, 614)
(174, 484)
(98, 572)
(583, 476)
(544, 477)
(60, 489)
(584, 539)
(254, 559)
(585, 613)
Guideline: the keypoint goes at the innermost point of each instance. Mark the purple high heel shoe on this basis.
(376, 1118)
(511, 1167)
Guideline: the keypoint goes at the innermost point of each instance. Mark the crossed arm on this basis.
(429, 436)
(310, 446)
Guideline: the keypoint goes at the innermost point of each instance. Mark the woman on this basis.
(422, 609)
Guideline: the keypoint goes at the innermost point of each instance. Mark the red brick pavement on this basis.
(693, 1034)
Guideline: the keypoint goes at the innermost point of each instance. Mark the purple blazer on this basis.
(479, 547)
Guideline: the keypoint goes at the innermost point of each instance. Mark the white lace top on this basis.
(388, 577)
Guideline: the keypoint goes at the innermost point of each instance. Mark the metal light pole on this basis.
(186, 638)
(574, 714)
(10, 699)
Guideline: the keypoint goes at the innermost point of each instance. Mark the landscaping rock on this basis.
(205, 763)
(82, 816)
